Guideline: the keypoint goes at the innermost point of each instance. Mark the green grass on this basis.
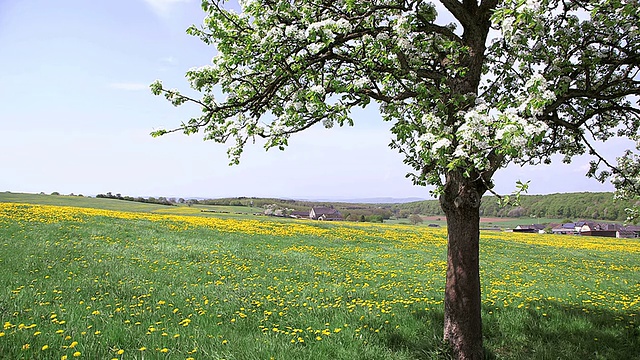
(79, 201)
(234, 290)
(504, 223)
(122, 205)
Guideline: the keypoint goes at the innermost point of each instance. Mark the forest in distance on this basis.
(584, 205)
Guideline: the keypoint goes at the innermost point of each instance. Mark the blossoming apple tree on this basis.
(468, 85)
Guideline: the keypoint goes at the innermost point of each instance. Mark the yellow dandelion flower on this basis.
(164, 350)
(26, 347)
(37, 333)
(73, 344)
(225, 342)
(64, 357)
(142, 348)
(318, 338)
(77, 354)
(2, 334)
(45, 347)
(120, 352)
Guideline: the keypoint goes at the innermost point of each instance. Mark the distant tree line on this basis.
(595, 206)
(150, 200)
(375, 214)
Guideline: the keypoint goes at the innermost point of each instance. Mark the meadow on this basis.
(79, 282)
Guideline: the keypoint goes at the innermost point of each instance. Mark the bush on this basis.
(415, 219)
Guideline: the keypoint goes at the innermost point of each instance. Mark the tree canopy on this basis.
(468, 85)
(556, 77)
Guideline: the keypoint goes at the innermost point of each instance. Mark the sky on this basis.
(76, 112)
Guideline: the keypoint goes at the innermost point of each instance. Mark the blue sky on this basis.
(76, 113)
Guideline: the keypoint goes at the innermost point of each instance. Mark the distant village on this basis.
(321, 213)
(584, 228)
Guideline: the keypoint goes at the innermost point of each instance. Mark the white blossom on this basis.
(314, 48)
(427, 139)
(311, 107)
(519, 142)
(507, 27)
(293, 31)
(531, 5)
(382, 36)
(318, 89)
(442, 143)
(401, 27)
(360, 83)
(460, 152)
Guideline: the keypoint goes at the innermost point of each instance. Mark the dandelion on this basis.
(77, 354)
(44, 347)
(120, 352)
(164, 350)
(225, 342)
(26, 347)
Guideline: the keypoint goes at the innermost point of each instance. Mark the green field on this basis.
(100, 284)
(122, 205)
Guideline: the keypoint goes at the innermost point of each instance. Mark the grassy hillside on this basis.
(79, 201)
(100, 284)
(596, 206)
(121, 205)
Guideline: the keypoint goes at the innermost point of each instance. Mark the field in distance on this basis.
(95, 283)
(220, 210)
(121, 205)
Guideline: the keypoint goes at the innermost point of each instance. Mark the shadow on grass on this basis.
(546, 330)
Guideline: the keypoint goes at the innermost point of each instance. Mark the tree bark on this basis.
(462, 303)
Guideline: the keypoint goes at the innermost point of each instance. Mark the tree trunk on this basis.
(462, 303)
